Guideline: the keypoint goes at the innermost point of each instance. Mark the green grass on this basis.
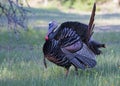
(21, 62)
(42, 17)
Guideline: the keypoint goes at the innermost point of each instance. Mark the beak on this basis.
(50, 36)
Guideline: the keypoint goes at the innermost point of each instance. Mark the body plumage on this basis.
(70, 44)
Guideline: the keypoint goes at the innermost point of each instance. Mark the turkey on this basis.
(71, 44)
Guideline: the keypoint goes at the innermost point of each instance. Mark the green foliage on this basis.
(83, 5)
(102, 1)
(78, 4)
(21, 62)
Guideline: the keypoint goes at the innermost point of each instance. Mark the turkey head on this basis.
(52, 30)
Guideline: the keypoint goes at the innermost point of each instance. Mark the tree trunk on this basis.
(119, 2)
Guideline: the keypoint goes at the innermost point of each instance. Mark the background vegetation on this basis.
(21, 62)
(81, 5)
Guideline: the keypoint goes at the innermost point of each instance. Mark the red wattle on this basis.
(46, 37)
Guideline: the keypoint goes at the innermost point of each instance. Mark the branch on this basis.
(15, 13)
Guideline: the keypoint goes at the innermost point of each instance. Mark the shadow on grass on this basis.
(47, 15)
(40, 17)
(29, 43)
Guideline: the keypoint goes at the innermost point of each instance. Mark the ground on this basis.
(21, 61)
(108, 28)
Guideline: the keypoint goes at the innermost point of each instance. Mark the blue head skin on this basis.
(51, 30)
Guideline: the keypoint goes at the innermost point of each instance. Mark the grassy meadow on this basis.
(21, 61)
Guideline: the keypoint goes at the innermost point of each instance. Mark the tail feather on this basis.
(94, 46)
(91, 25)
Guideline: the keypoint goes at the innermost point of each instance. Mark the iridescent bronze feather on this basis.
(71, 44)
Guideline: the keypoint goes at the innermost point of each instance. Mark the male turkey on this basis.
(71, 44)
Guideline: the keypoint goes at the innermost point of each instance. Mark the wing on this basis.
(83, 30)
(71, 35)
(81, 59)
(70, 26)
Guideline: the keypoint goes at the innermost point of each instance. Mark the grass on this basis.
(42, 17)
(21, 62)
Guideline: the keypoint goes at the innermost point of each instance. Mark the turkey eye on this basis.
(50, 25)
